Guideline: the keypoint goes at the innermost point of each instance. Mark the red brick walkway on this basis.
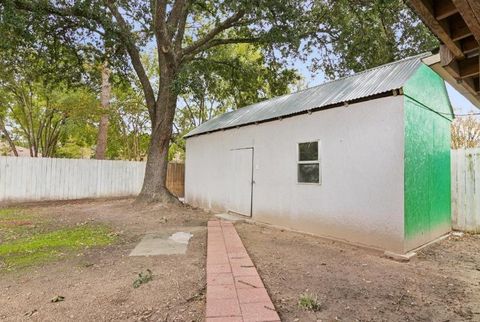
(235, 292)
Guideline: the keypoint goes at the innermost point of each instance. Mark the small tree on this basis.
(465, 133)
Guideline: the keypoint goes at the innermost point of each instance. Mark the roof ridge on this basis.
(380, 80)
(337, 80)
(362, 72)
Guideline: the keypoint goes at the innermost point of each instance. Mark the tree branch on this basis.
(175, 15)
(191, 114)
(127, 37)
(202, 43)
(65, 12)
(10, 142)
(181, 28)
(163, 34)
(159, 22)
(218, 42)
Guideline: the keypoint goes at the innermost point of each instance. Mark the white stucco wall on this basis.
(360, 198)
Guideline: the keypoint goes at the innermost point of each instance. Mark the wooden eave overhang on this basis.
(456, 23)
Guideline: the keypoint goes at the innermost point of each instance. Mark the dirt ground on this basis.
(351, 283)
(97, 284)
(355, 284)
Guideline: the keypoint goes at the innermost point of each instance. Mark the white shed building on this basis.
(363, 159)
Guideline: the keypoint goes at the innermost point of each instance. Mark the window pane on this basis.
(308, 173)
(308, 151)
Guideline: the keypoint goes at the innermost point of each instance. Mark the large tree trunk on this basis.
(154, 184)
(103, 126)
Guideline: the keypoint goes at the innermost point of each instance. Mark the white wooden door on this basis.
(241, 181)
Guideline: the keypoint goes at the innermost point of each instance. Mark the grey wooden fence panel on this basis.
(466, 189)
(30, 179)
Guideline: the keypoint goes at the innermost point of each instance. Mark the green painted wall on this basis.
(427, 158)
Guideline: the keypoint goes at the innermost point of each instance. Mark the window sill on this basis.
(309, 183)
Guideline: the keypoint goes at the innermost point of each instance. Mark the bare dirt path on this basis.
(354, 284)
(97, 284)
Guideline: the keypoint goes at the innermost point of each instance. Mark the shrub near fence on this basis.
(35, 179)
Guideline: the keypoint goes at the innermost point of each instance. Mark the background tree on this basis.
(129, 124)
(227, 78)
(368, 33)
(182, 30)
(465, 132)
(42, 115)
(185, 32)
(105, 96)
(5, 98)
(38, 107)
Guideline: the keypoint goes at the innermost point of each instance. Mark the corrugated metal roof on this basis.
(371, 82)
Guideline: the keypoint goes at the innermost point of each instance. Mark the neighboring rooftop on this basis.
(372, 82)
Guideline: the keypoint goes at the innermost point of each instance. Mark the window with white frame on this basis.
(308, 167)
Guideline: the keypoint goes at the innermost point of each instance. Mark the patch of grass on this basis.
(48, 246)
(309, 302)
(16, 222)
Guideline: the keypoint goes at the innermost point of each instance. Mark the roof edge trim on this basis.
(315, 109)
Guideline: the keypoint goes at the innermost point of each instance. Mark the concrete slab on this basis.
(162, 243)
(231, 217)
(400, 257)
(457, 233)
(181, 237)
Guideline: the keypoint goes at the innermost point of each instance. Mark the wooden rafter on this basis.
(458, 28)
(461, 70)
(471, 84)
(469, 67)
(469, 17)
(469, 45)
(440, 28)
(475, 6)
(444, 9)
(456, 23)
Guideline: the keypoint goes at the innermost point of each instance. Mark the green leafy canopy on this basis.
(199, 57)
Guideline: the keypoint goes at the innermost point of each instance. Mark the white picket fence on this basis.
(30, 179)
(466, 189)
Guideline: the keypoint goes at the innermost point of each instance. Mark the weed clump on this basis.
(143, 278)
(309, 302)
